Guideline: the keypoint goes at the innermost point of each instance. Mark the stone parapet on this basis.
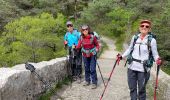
(17, 83)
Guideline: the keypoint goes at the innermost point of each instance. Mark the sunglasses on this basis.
(84, 29)
(69, 25)
(146, 26)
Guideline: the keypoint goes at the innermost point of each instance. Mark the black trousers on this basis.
(137, 79)
(75, 60)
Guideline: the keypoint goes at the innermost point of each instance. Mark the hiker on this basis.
(89, 47)
(75, 58)
(139, 55)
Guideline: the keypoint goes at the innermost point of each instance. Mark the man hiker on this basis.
(75, 58)
(140, 56)
(89, 47)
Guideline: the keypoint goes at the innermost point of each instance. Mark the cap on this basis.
(84, 26)
(69, 22)
(145, 21)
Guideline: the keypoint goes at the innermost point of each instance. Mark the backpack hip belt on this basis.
(137, 60)
(89, 51)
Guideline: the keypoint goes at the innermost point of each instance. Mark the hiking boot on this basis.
(79, 80)
(94, 86)
(74, 78)
(86, 83)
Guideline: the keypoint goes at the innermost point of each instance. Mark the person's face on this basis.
(70, 27)
(85, 31)
(144, 28)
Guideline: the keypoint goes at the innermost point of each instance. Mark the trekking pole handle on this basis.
(118, 58)
(125, 63)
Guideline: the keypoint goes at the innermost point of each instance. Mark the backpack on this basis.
(96, 35)
(148, 62)
(91, 39)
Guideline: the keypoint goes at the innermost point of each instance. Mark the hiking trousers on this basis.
(137, 79)
(75, 59)
(90, 69)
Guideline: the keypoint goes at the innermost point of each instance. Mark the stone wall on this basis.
(17, 83)
(163, 83)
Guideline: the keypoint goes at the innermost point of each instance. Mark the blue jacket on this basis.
(72, 38)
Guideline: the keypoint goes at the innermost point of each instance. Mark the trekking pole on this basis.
(100, 73)
(47, 85)
(156, 83)
(69, 70)
(117, 61)
(72, 61)
(125, 63)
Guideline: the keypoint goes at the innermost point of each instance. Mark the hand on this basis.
(65, 46)
(65, 42)
(159, 61)
(73, 46)
(97, 50)
(119, 56)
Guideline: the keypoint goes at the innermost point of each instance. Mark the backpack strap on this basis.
(91, 39)
(134, 42)
(130, 58)
(74, 33)
(150, 37)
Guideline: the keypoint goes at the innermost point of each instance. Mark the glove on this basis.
(65, 42)
(65, 46)
(97, 50)
(119, 56)
(159, 61)
(73, 46)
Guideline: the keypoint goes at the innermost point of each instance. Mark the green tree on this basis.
(33, 39)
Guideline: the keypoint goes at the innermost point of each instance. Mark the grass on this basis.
(103, 48)
(149, 91)
(119, 44)
(58, 86)
(166, 69)
(118, 41)
(160, 90)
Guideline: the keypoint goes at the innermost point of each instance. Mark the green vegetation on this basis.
(32, 30)
(166, 68)
(160, 90)
(32, 39)
(103, 48)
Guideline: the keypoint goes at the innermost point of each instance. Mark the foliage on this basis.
(120, 19)
(12, 9)
(32, 39)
